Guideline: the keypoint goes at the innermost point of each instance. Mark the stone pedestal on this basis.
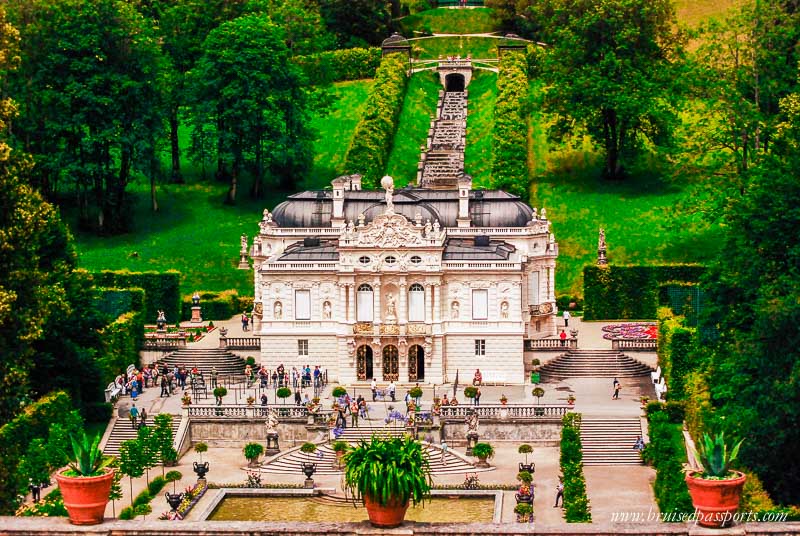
(196, 318)
(243, 264)
(472, 440)
(272, 444)
(602, 259)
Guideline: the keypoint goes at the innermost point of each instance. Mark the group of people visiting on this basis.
(280, 377)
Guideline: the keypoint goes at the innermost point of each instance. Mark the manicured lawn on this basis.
(479, 47)
(415, 120)
(452, 21)
(335, 131)
(480, 122)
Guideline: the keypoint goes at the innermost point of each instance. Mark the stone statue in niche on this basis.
(504, 310)
(455, 310)
(277, 310)
(391, 311)
(326, 310)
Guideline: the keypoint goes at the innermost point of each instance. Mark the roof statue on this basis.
(388, 184)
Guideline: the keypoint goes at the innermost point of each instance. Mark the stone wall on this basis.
(544, 433)
(501, 364)
(277, 349)
(33, 526)
(237, 432)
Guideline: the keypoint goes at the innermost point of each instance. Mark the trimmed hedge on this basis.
(629, 292)
(667, 453)
(374, 134)
(122, 340)
(510, 134)
(34, 422)
(114, 302)
(218, 305)
(340, 65)
(576, 502)
(674, 351)
(161, 290)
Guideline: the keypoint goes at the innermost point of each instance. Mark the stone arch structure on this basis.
(455, 82)
(455, 74)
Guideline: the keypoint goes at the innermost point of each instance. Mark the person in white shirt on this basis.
(567, 316)
(374, 387)
(392, 389)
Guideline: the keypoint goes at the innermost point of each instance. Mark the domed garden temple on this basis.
(409, 285)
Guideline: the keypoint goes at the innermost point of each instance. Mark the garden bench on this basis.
(656, 375)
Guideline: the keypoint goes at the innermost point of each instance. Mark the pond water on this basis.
(437, 510)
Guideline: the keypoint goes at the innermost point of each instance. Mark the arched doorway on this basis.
(416, 363)
(391, 367)
(454, 82)
(364, 362)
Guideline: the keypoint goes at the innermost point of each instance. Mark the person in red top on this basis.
(563, 337)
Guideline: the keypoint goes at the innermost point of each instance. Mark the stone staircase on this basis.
(325, 458)
(593, 363)
(123, 431)
(609, 441)
(204, 359)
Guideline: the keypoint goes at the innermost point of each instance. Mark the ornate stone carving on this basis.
(362, 328)
(391, 311)
(390, 329)
(326, 310)
(455, 310)
(389, 231)
(277, 310)
(504, 310)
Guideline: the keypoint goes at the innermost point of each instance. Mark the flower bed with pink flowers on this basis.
(633, 330)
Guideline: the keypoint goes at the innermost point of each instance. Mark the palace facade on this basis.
(412, 285)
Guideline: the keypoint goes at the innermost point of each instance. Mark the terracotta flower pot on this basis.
(715, 501)
(386, 516)
(85, 497)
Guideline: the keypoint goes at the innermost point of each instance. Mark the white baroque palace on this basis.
(410, 285)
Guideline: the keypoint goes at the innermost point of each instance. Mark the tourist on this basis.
(306, 401)
(478, 397)
(143, 418)
(615, 396)
(164, 386)
(134, 415)
(563, 337)
(639, 445)
(275, 379)
(566, 319)
(140, 380)
(392, 389)
(36, 490)
(374, 387)
(244, 321)
(263, 399)
(362, 407)
(294, 377)
(297, 399)
(445, 401)
(478, 378)
(308, 375)
(263, 377)
(559, 493)
(214, 375)
(317, 376)
(354, 413)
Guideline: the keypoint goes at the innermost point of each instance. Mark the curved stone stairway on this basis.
(593, 363)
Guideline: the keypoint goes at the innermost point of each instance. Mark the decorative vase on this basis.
(174, 500)
(200, 469)
(385, 516)
(308, 469)
(529, 467)
(85, 498)
(715, 501)
(482, 462)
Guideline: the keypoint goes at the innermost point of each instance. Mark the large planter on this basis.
(482, 462)
(85, 497)
(715, 501)
(385, 516)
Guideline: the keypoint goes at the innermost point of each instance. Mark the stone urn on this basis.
(201, 469)
(174, 500)
(309, 469)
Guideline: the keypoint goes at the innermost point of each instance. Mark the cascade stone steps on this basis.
(596, 363)
(325, 458)
(123, 431)
(609, 441)
(442, 163)
(205, 358)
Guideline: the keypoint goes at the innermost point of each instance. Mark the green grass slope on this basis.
(452, 21)
(412, 130)
(427, 48)
(480, 121)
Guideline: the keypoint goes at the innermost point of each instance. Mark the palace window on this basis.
(390, 259)
(533, 288)
(480, 304)
(302, 347)
(416, 259)
(364, 303)
(480, 347)
(302, 305)
(416, 303)
(364, 259)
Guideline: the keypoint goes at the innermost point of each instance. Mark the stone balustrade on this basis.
(510, 411)
(550, 344)
(243, 411)
(641, 345)
(242, 343)
(164, 343)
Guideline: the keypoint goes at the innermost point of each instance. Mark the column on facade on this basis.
(494, 305)
(376, 301)
(428, 303)
(437, 302)
(351, 302)
(341, 307)
(315, 307)
(402, 312)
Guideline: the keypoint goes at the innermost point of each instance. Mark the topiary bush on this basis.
(252, 451)
(483, 450)
(284, 393)
(470, 391)
(667, 454)
(338, 391)
(576, 502)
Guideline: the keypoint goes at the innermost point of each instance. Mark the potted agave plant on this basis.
(716, 489)
(387, 474)
(86, 483)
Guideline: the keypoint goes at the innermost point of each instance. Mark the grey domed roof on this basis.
(394, 39)
(487, 208)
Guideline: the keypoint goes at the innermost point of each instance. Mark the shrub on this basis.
(173, 476)
(525, 477)
(653, 406)
(284, 393)
(675, 344)
(415, 392)
(483, 450)
(523, 509)
(121, 342)
(576, 503)
(675, 411)
(113, 302)
(308, 448)
(250, 361)
(156, 485)
(340, 65)
(470, 391)
(339, 391)
(510, 134)
(340, 446)
(161, 290)
(127, 513)
(667, 453)
(372, 140)
(253, 450)
(220, 392)
(216, 305)
(629, 292)
(143, 498)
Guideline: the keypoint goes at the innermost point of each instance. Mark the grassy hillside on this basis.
(480, 47)
(452, 21)
(415, 120)
(694, 12)
(480, 121)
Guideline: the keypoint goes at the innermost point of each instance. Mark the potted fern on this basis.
(483, 451)
(86, 484)
(716, 489)
(252, 451)
(386, 474)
